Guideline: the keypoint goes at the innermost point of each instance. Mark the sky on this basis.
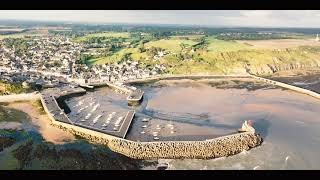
(224, 18)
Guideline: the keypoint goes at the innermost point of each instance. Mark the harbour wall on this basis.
(212, 148)
(287, 86)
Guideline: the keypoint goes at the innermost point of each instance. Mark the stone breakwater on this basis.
(287, 86)
(212, 148)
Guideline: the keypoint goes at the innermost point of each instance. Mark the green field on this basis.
(103, 34)
(117, 56)
(188, 37)
(172, 45)
(215, 45)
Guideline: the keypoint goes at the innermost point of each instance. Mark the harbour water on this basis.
(200, 109)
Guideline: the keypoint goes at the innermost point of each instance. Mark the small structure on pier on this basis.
(135, 97)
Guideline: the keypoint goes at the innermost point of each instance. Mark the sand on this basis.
(42, 122)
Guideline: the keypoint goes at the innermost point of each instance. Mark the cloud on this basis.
(261, 18)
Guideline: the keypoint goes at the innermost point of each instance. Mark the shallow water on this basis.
(288, 122)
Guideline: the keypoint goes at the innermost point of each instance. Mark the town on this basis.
(48, 61)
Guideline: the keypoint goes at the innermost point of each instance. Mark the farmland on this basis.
(280, 43)
(102, 35)
(173, 45)
(216, 45)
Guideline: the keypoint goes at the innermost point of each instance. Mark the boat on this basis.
(118, 121)
(88, 116)
(95, 120)
(145, 119)
(144, 126)
(156, 138)
(95, 107)
(142, 132)
(79, 111)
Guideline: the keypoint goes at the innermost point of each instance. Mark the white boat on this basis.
(145, 119)
(118, 121)
(95, 120)
(95, 107)
(144, 126)
(155, 133)
(142, 132)
(156, 138)
(79, 111)
(88, 116)
(82, 120)
(104, 125)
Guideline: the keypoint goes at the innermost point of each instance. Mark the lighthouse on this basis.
(317, 38)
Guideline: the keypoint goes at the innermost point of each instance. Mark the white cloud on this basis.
(264, 18)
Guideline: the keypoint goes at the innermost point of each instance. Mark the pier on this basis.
(135, 97)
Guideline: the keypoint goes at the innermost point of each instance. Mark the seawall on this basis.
(212, 148)
(287, 86)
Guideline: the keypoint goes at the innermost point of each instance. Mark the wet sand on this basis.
(42, 122)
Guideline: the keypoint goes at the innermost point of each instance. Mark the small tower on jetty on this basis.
(317, 38)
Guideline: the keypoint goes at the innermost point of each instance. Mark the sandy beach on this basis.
(42, 122)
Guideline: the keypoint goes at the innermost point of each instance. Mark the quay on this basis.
(135, 97)
(50, 101)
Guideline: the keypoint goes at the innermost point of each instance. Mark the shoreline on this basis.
(42, 122)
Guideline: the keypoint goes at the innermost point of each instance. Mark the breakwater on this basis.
(211, 148)
(287, 86)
